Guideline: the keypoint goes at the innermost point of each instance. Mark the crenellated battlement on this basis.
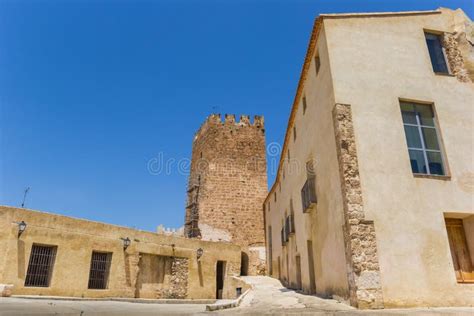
(216, 119)
(244, 120)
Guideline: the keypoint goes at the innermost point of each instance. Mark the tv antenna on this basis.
(24, 196)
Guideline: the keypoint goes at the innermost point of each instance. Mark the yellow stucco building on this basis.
(54, 255)
(373, 200)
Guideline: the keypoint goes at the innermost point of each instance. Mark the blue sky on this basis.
(90, 91)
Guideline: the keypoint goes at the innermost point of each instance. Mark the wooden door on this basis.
(459, 250)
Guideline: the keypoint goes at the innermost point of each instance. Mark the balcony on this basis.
(308, 195)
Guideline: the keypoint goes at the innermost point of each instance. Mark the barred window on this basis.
(99, 270)
(317, 64)
(40, 266)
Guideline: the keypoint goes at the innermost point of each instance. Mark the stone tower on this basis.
(227, 186)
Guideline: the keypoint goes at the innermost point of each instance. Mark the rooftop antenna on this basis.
(24, 196)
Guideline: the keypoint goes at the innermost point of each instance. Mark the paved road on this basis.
(271, 298)
(21, 306)
(268, 298)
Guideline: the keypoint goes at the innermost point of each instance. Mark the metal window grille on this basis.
(282, 232)
(317, 63)
(287, 229)
(40, 266)
(99, 272)
(292, 223)
(308, 193)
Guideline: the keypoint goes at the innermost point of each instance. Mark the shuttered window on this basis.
(40, 266)
(459, 250)
(99, 270)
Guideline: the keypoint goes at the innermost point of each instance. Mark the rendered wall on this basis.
(323, 225)
(76, 239)
(375, 62)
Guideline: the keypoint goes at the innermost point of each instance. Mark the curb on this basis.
(231, 304)
(119, 299)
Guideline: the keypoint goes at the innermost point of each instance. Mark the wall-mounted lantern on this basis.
(199, 253)
(21, 228)
(126, 242)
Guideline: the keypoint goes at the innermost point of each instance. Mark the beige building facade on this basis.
(373, 200)
(62, 256)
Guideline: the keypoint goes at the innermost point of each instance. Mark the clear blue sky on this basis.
(90, 91)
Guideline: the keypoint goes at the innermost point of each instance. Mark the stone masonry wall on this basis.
(359, 233)
(228, 181)
(178, 281)
(455, 56)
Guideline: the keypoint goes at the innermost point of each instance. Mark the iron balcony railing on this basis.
(308, 194)
(282, 233)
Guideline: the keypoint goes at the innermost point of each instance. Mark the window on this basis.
(305, 105)
(291, 221)
(435, 49)
(289, 156)
(99, 270)
(317, 64)
(308, 192)
(40, 267)
(283, 237)
(459, 247)
(287, 228)
(294, 133)
(275, 197)
(422, 139)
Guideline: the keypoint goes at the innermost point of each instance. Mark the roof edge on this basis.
(376, 14)
(294, 108)
(307, 61)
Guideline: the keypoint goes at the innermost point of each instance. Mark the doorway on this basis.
(312, 280)
(298, 273)
(244, 264)
(220, 274)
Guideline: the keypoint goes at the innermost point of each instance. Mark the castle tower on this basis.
(227, 186)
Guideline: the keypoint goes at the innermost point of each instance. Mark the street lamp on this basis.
(126, 242)
(21, 228)
(199, 253)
